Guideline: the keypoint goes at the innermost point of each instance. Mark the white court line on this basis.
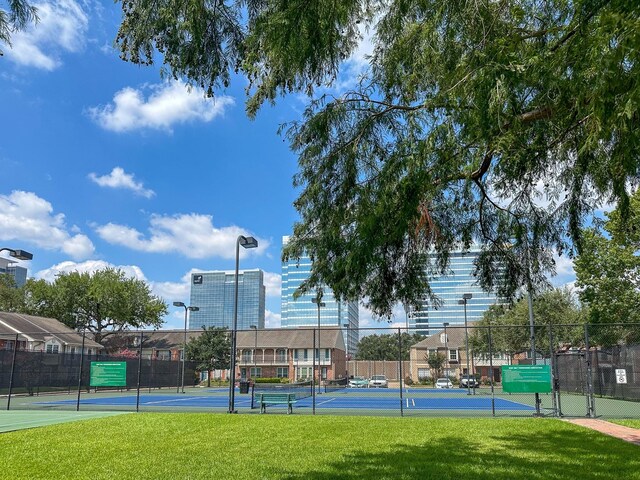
(326, 401)
(413, 402)
(172, 400)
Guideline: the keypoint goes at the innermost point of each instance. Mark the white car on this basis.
(378, 381)
(444, 383)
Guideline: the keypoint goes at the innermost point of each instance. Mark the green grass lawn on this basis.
(220, 446)
(627, 423)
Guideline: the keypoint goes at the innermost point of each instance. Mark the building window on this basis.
(282, 372)
(453, 355)
(327, 354)
(53, 348)
(306, 354)
(304, 373)
(256, 372)
(423, 373)
(281, 355)
(323, 373)
(295, 354)
(246, 356)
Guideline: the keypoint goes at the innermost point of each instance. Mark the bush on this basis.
(266, 380)
(408, 381)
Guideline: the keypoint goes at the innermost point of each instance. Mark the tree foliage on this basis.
(211, 349)
(608, 268)
(469, 112)
(555, 309)
(385, 346)
(436, 362)
(10, 295)
(20, 14)
(103, 302)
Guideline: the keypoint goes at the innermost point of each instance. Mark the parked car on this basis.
(468, 381)
(358, 382)
(378, 381)
(444, 383)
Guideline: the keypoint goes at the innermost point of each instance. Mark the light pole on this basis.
(532, 331)
(184, 346)
(346, 346)
(246, 242)
(19, 254)
(465, 298)
(446, 349)
(318, 301)
(255, 350)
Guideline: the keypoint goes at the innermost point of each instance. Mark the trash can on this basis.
(244, 386)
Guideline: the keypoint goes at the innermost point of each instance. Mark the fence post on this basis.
(313, 375)
(84, 333)
(139, 370)
(13, 367)
(591, 407)
(554, 378)
(493, 398)
(400, 369)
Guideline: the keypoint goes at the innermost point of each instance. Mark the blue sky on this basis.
(107, 164)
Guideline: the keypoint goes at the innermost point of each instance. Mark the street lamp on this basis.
(246, 242)
(184, 348)
(446, 349)
(465, 298)
(255, 350)
(19, 254)
(318, 301)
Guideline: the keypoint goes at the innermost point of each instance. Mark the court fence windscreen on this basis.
(501, 371)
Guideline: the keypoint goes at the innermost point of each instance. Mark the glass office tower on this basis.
(214, 294)
(302, 312)
(450, 288)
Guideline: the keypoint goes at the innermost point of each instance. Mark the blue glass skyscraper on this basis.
(18, 273)
(302, 312)
(214, 294)
(450, 288)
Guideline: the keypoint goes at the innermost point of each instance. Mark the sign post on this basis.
(108, 374)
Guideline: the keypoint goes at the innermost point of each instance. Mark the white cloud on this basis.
(118, 178)
(168, 103)
(271, 319)
(28, 218)
(272, 284)
(90, 266)
(192, 235)
(62, 27)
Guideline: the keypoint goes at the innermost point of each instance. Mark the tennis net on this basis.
(333, 385)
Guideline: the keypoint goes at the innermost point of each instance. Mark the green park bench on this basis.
(276, 398)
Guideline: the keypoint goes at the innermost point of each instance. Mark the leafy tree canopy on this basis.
(211, 349)
(385, 346)
(608, 268)
(19, 15)
(510, 331)
(10, 295)
(103, 302)
(469, 112)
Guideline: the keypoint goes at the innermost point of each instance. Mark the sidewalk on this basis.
(627, 434)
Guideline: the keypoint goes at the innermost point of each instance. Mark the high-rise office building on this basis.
(18, 273)
(214, 294)
(450, 288)
(303, 312)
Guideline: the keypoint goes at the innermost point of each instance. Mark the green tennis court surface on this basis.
(21, 419)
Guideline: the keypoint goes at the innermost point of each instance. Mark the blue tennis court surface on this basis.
(329, 401)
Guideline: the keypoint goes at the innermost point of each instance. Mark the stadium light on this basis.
(318, 301)
(184, 347)
(465, 298)
(19, 254)
(246, 242)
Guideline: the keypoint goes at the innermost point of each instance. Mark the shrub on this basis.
(408, 381)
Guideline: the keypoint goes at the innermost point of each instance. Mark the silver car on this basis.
(379, 381)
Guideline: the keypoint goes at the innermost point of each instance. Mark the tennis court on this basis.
(385, 400)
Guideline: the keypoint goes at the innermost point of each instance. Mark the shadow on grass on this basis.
(560, 454)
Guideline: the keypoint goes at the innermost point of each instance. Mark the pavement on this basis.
(628, 434)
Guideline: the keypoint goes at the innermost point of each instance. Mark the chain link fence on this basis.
(580, 371)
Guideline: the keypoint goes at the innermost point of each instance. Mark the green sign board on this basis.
(108, 374)
(526, 378)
